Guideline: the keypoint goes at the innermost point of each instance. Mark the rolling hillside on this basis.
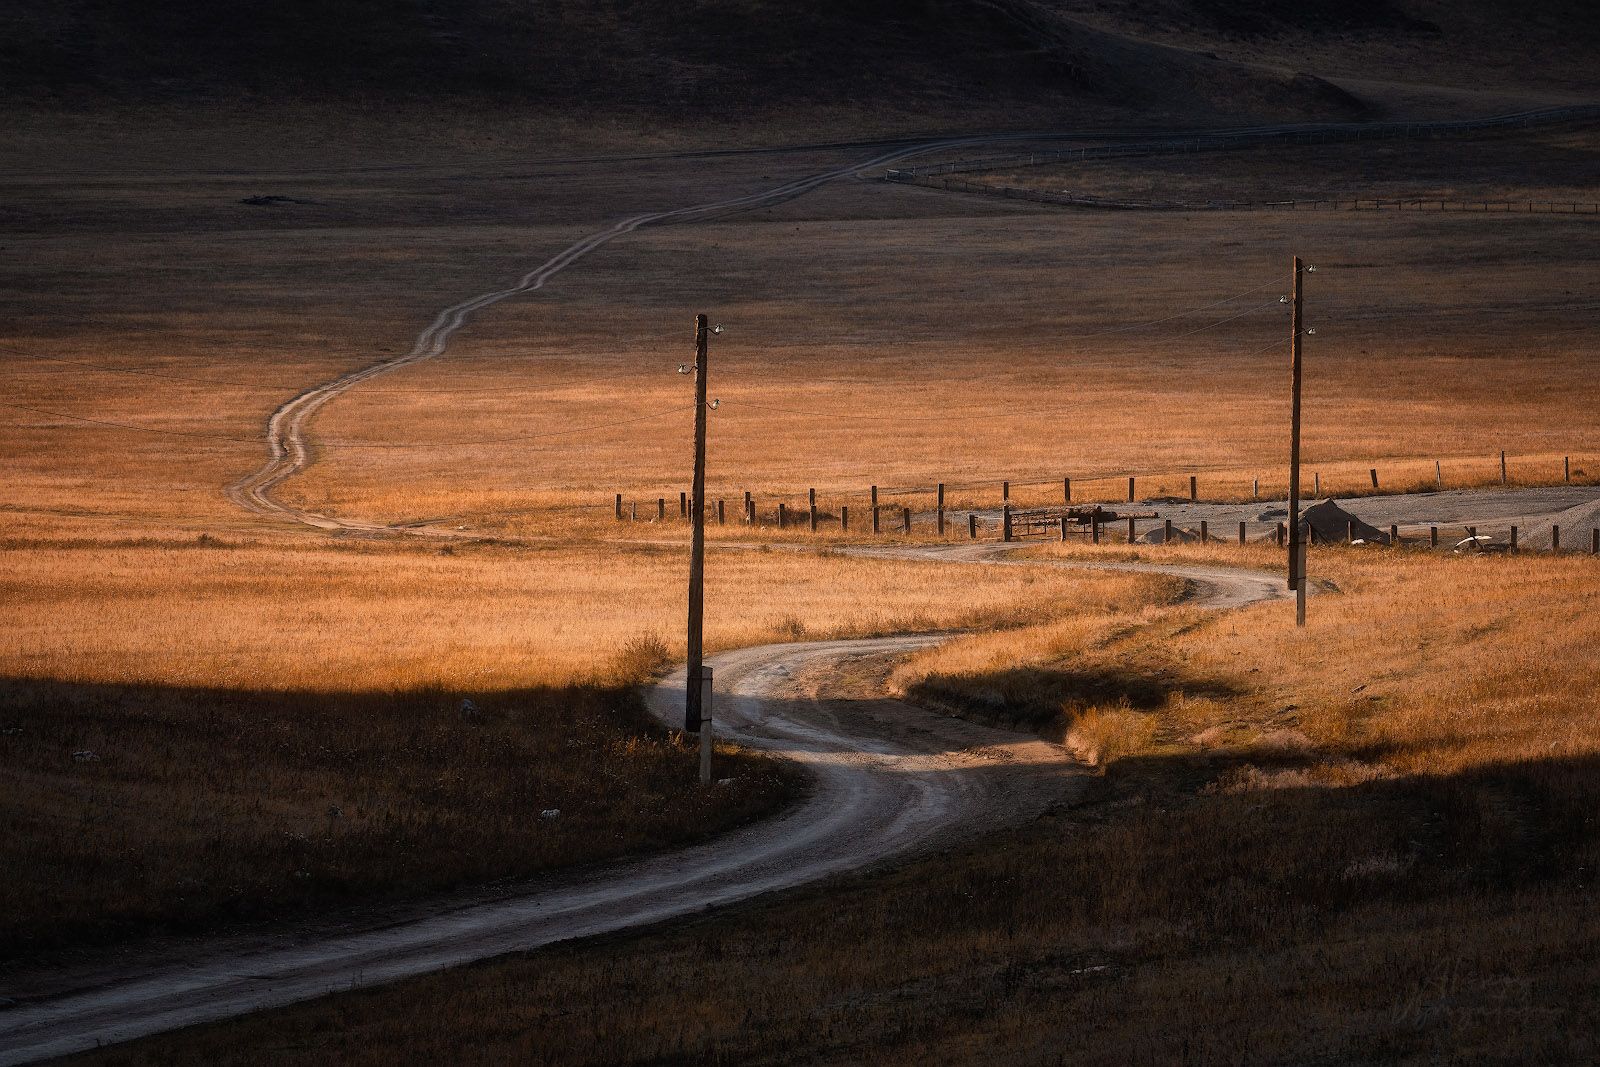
(687, 58)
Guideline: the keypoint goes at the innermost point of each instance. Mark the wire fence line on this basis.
(1433, 204)
(1331, 133)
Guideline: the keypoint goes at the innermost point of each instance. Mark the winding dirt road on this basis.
(889, 779)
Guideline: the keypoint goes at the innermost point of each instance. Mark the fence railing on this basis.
(1091, 518)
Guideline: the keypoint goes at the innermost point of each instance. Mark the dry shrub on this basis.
(641, 658)
(1102, 735)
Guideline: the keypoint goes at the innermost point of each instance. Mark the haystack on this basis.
(1180, 536)
(1332, 524)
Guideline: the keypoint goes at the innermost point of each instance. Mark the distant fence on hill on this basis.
(940, 175)
(1434, 204)
(1330, 133)
(1095, 518)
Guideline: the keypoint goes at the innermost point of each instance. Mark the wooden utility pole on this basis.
(697, 542)
(1297, 569)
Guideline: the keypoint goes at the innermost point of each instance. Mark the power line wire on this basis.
(511, 440)
(378, 389)
(348, 444)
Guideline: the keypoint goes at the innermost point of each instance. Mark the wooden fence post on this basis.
(1066, 490)
(1280, 535)
(1241, 532)
(1433, 537)
(661, 509)
(1166, 532)
(1005, 492)
(749, 509)
(1566, 468)
(876, 527)
(635, 506)
(1205, 532)
(1350, 532)
(844, 518)
(1064, 522)
(1255, 489)
(1193, 489)
(683, 505)
(1130, 490)
(1005, 522)
(1316, 484)
(972, 527)
(783, 516)
(1555, 538)
(1394, 535)
(1513, 538)
(905, 519)
(811, 505)
(939, 508)
(1374, 473)
(1131, 530)
(1502, 466)
(1594, 542)
(619, 507)
(1438, 475)
(722, 518)
(1094, 526)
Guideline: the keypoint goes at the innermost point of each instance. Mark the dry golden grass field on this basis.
(875, 335)
(1370, 841)
(1289, 832)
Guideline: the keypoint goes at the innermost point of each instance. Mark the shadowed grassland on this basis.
(143, 809)
(1542, 164)
(1377, 848)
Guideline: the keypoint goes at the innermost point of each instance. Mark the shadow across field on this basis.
(1402, 919)
(1035, 697)
(135, 810)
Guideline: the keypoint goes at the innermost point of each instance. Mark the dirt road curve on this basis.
(890, 779)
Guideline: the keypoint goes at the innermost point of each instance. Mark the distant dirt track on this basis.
(287, 429)
(889, 779)
(286, 433)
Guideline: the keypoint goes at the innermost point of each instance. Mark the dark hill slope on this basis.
(1469, 44)
(699, 56)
